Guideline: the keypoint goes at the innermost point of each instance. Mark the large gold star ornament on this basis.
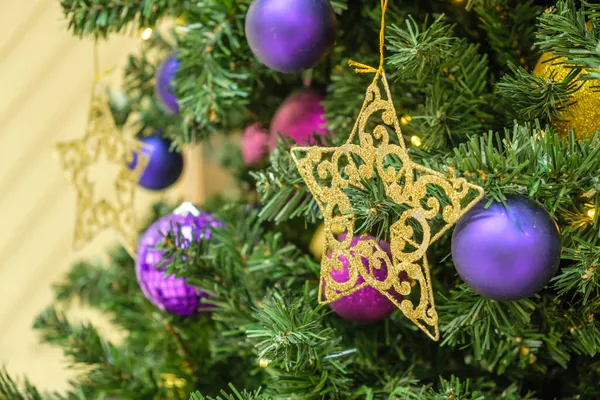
(432, 203)
(103, 140)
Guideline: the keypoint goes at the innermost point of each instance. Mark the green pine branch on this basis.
(99, 18)
(528, 97)
(284, 193)
(113, 291)
(494, 330)
(234, 395)
(509, 27)
(304, 357)
(581, 279)
(452, 74)
(112, 370)
(143, 110)
(562, 30)
(11, 389)
(418, 52)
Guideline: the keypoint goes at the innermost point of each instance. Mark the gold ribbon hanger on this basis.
(369, 154)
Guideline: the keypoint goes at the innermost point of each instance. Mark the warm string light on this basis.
(146, 34)
(591, 213)
(172, 381)
(415, 140)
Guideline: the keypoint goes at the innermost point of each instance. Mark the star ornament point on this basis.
(433, 203)
(103, 140)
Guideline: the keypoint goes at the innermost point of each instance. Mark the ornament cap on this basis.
(187, 208)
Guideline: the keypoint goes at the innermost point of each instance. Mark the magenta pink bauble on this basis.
(366, 304)
(299, 117)
(255, 144)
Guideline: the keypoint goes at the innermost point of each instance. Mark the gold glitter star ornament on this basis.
(432, 204)
(103, 139)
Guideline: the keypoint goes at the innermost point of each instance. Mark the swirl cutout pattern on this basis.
(432, 204)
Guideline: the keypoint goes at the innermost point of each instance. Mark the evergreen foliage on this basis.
(460, 75)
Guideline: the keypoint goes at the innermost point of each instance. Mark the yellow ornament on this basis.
(102, 138)
(368, 154)
(584, 114)
(318, 240)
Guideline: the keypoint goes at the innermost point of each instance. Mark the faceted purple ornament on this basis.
(506, 253)
(164, 167)
(164, 84)
(366, 304)
(291, 35)
(169, 292)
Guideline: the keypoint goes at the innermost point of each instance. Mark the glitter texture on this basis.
(327, 171)
(78, 156)
(366, 304)
(584, 114)
(169, 292)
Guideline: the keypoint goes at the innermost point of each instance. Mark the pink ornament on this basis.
(299, 117)
(255, 144)
(366, 304)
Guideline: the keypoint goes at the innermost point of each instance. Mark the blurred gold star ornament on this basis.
(369, 154)
(103, 140)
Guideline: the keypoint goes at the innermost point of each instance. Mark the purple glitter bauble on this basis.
(506, 253)
(290, 35)
(169, 292)
(164, 167)
(366, 304)
(164, 84)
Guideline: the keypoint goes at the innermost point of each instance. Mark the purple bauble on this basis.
(164, 84)
(506, 253)
(290, 35)
(164, 167)
(169, 292)
(366, 304)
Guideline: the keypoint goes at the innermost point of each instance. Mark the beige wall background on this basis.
(45, 81)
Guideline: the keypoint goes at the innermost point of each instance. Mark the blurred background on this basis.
(45, 81)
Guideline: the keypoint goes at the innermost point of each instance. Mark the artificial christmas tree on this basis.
(478, 120)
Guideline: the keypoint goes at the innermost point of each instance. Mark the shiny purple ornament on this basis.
(168, 292)
(366, 304)
(506, 253)
(291, 35)
(163, 86)
(164, 167)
